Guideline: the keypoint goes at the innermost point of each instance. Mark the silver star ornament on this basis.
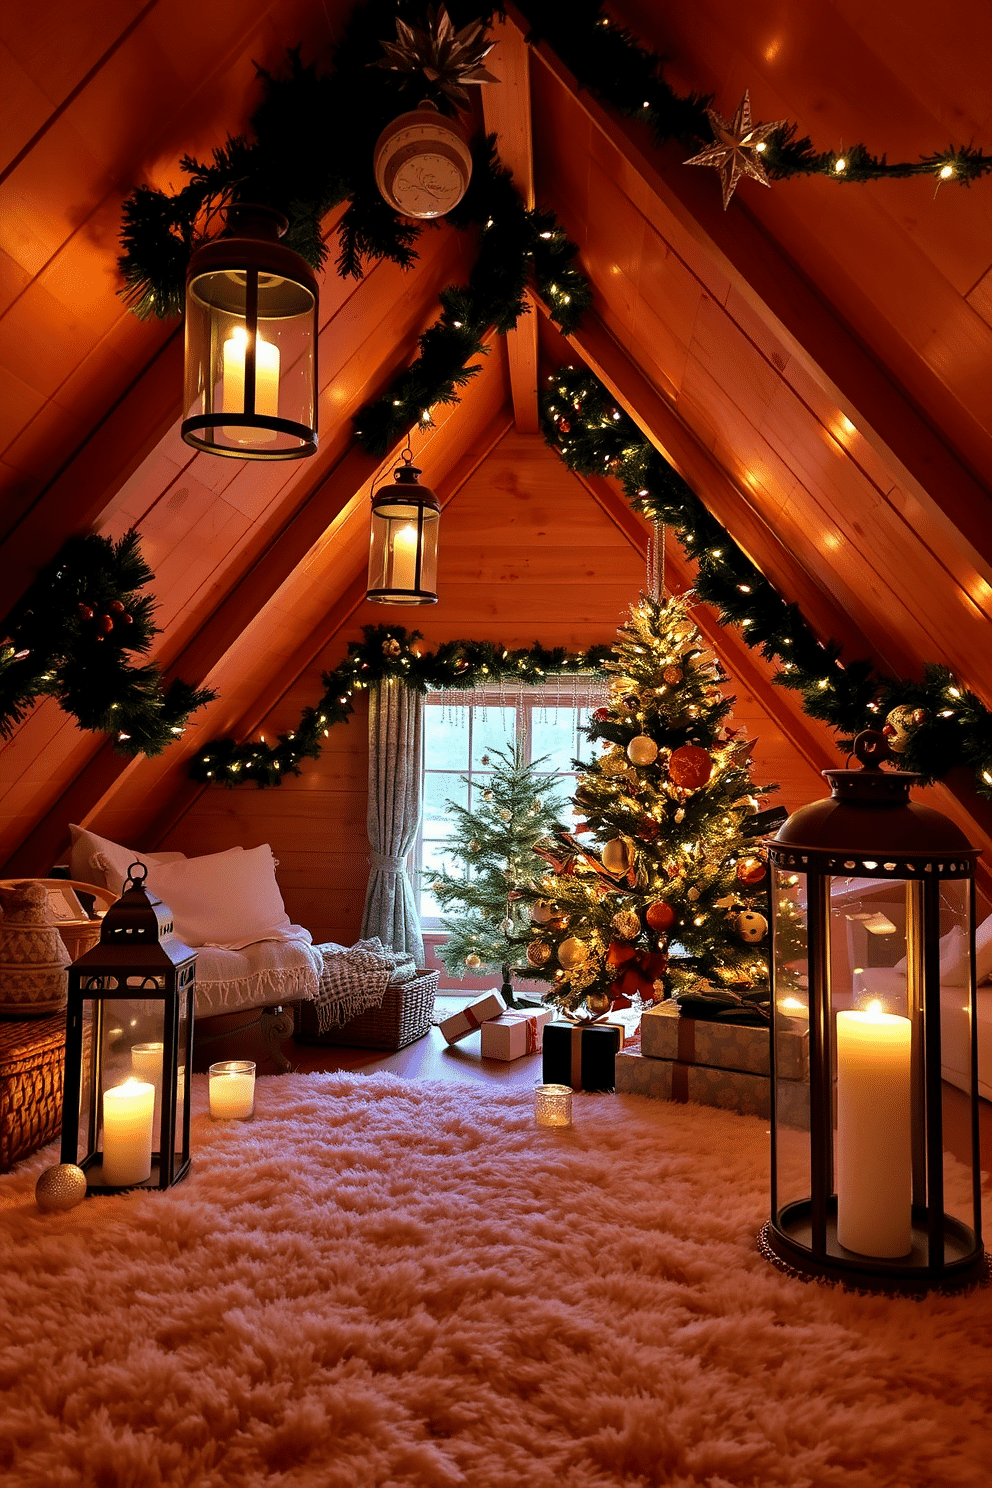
(737, 148)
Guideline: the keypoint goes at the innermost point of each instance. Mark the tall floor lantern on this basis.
(251, 343)
(403, 540)
(864, 1190)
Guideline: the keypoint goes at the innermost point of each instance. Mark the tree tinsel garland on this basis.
(71, 637)
(387, 651)
(593, 436)
(608, 59)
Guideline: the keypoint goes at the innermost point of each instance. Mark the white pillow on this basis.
(954, 956)
(229, 899)
(97, 860)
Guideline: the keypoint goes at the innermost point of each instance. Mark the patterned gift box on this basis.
(704, 1085)
(582, 1055)
(515, 1033)
(665, 1034)
(460, 1025)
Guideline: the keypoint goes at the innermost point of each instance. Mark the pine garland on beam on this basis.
(72, 637)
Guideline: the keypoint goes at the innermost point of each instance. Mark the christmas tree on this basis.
(495, 845)
(666, 894)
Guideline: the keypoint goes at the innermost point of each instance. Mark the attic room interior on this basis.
(495, 749)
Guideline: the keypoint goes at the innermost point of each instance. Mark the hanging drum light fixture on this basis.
(251, 343)
(403, 545)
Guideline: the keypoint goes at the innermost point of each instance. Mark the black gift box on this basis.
(583, 1055)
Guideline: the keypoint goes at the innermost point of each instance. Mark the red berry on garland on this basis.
(565, 426)
(690, 767)
(127, 618)
(104, 625)
(659, 915)
(751, 872)
(85, 613)
(116, 607)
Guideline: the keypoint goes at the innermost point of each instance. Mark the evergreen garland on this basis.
(72, 637)
(593, 436)
(387, 651)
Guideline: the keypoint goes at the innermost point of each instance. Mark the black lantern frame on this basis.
(403, 541)
(867, 833)
(251, 343)
(140, 978)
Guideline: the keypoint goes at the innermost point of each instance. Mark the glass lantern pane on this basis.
(791, 968)
(955, 1050)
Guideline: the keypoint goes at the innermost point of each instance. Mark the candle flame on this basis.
(792, 1002)
(874, 1009)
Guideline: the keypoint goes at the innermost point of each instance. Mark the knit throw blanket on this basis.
(354, 980)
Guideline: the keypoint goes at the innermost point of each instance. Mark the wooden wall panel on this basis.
(525, 555)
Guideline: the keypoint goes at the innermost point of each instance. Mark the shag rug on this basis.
(380, 1282)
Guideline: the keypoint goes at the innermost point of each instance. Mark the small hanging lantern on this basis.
(403, 544)
(873, 909)
(128, 1053)
(251, 343)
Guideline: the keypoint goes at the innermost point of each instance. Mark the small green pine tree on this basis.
(484, 905)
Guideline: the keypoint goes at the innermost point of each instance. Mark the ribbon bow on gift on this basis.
(641, 969)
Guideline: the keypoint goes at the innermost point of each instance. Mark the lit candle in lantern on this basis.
(874, 1139)
(266, 385)
(232, 1090)
(146, 1064)
(128, 1111)
(403, 574)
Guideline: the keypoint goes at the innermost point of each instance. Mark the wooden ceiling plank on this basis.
(781, 296)
(506, 112)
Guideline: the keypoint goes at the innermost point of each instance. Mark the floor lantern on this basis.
(873, 907)
(251, 343)
(403, 541)
(129, 1045)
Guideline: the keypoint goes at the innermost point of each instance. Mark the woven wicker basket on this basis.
(404, 1017)
(32, 1056)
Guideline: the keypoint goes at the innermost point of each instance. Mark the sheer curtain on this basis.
(395, 804)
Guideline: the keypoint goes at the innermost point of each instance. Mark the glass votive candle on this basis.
(553, 1105)
(232, 1090)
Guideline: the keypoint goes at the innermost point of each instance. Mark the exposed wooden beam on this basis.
(506, 111)
(954, 497)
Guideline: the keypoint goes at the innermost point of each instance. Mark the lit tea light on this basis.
(232, 1090)
(553, 1105)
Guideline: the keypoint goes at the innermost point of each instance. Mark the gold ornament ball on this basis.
(506, 814)
(487, 795)
(60, 1188)
(658, 991)
(540, 912)
(473, 846)
(572, 953)
(672, 675)
(626, 923)
(616, 855)
(751, 926)
(598, 1002)
(642, 750)
(538, 953)
(472, 959)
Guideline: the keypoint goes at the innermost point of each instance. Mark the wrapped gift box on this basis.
(729, 1046)
(705, 1085)
(582, 1055)
(460, 1025)
(515, 1033)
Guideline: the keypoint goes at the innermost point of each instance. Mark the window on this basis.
(459, 732)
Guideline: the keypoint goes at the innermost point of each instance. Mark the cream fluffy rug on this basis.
(380, 1282)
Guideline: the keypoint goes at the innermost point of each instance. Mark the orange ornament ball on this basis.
(690, 767)
(659, 915)
(751, 872)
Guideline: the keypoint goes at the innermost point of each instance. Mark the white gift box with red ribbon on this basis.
(515, 1033)
(476, 1015)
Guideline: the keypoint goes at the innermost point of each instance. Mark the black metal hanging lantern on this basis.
(251, 343)
(403, 541)
(873, 916)
(129, 1045)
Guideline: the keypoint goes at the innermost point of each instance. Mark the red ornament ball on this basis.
(690, 767)
(649, 829)
(127, 618)
(659, 915)
(751, 872)
(105, 624)
(85, 613)
(116, 607)
(601, 715)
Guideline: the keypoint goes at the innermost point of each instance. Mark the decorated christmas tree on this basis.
(494, 843)
(662, 890)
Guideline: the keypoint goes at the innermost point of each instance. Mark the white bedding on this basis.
(260, 975)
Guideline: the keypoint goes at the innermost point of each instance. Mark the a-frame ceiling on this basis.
(816, 361)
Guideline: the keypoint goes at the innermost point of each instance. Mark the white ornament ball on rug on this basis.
(572, 953)
(751, 926)
(540, 912)
(642, 750)
(472, 959)
(60, 1188)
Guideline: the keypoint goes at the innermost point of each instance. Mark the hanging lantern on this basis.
(863, 1190)
(128, 1052)
(403, 546)
(422, 163)
(251, 343)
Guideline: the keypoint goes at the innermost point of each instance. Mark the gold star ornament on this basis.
(738, 148)
(445, 56)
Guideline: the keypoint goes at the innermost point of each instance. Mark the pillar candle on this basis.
(146, 1064)
(128, 1110)
(266, 385)
(874, 1137)
(403, 574)
(232, 1090)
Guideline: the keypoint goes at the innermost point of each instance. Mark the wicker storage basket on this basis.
(32, 1061)
(404, 1017)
